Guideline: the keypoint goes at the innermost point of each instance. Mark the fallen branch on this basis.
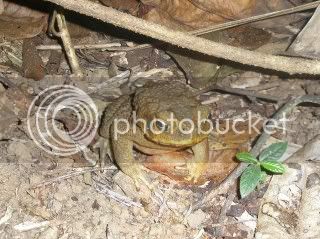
(199, 32)
(233, 177)
(186, 40)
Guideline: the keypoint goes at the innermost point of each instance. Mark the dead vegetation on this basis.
(238, 65)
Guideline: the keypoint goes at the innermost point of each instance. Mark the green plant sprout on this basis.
(256, 171)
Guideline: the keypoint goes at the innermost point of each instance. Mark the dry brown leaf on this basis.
(264, 6)
(188, 15)
(20, 21)
(227, 9)
(33, 66)
(307, 42)
(21, 10)
(180, 14)
(195, 14)
(130, 6)
(222, 162)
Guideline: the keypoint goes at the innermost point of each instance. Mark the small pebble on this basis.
(313, 180)
(196, 218)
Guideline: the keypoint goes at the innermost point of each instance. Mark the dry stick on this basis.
(116, 196)
(243, 92)
(266, 86)
(70, 175)
(215, 28)
(7, 82)
(67, 43)
(224, 210)
(232, 178)
(186, 40)
(104, 46)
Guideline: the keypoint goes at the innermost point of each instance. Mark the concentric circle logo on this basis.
(62, 120)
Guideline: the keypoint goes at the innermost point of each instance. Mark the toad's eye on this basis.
(161, 125)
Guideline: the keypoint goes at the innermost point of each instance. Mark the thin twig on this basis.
(186, 40)
(70, 175)
(199, 32)
(233, 177)
(244, 92)
(261, 17)
(29, 225)
(104, 46)
(249, 93)
(224, 209)
(67, 43)
(106, 190)
(7, 82)
(106, 84)
(266, 86)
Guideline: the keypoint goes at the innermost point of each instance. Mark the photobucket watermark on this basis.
(50, 134)
(47, 110)
(250, 124)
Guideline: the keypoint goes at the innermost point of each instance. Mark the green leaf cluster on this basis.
(257, 168)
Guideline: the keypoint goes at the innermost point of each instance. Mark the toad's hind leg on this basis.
(198, 165)
(123, 154)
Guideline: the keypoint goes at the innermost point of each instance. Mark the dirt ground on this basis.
(47, 196)
(43, 196)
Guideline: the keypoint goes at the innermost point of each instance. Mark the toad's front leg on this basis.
(199, 162)
(122, 148)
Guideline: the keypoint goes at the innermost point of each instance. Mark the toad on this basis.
(158, 118)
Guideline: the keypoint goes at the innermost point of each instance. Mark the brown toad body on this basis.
(158, 117)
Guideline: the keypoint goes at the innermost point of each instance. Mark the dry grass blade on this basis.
(261, 17)
(104, 189)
